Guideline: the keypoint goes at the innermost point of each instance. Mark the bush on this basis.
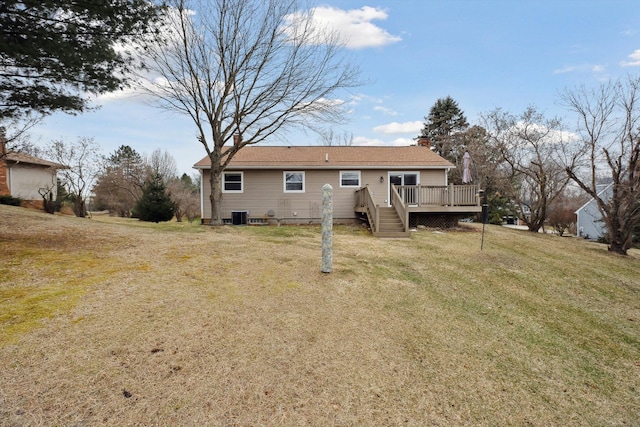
(10, 200)
(155, 204)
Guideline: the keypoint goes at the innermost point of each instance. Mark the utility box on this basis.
(239, 217)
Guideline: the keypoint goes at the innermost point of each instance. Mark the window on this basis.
(349, 178)
(294, 182)
(232, 182)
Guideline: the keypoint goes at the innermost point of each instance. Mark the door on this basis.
(409, 195)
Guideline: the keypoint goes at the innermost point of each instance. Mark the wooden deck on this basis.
(407, 199)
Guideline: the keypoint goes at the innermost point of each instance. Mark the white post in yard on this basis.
(327, 227)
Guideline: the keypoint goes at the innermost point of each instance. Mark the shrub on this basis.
(155, 204)
(10, 200)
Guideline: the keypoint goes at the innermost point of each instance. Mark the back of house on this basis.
(283, 184)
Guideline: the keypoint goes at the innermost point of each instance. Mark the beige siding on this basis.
(433, 177)
(25, 181)
(264, 192)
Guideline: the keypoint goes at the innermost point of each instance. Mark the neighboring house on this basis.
(27, 177)
(589, 223)
(383, 185)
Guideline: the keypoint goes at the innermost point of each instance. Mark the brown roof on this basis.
(16, 157)
(320, 157)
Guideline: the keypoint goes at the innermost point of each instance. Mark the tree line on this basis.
(541, 171)
(125, 183)
(244, 70)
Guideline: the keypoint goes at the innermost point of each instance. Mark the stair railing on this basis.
(364, 199)
(400, 207)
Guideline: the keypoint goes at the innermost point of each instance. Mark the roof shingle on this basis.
(333, 157)
(16, 157)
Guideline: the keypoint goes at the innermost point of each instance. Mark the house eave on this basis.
(331, 167)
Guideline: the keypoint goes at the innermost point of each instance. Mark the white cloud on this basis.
(402, 142)
(395, 128)
(364, 141)
(567, 69)
(374, 142)
(385, 110)
(354, 27)
(580, 68)
(635, 59)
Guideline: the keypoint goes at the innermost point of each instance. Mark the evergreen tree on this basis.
(443, 125)
(155, 204)
(55, 51)
(120, 184)
(62, 195)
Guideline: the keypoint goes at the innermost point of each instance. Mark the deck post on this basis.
(451, 195)
(327, 228)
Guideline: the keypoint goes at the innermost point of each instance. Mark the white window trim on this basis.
(358, 185)
(224, 179)
(284, 182)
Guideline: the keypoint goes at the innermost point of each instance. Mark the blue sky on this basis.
(485, 54)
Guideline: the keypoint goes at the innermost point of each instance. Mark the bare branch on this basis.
(251, 68)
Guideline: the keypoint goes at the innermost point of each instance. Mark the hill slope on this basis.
(117, 322)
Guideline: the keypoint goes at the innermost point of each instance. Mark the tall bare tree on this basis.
(609, 125)
(185, 197)
(162, 163)
(82, 161)
(329, 137)
(533, 149)
(249, 69)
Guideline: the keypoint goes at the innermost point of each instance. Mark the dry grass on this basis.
(115, 322)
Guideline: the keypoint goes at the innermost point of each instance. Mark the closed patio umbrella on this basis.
(466, 172)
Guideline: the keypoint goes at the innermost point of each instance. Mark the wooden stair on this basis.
(390, 224)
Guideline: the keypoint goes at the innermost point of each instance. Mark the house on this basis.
(589, 222)
(392, 188)
(27, 177)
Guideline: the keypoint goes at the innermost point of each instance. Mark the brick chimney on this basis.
(4, 186)
(424, 142)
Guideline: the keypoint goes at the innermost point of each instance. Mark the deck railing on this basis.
(441, 195)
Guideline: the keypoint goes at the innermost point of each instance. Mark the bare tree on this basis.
(82, 161)
(329, 137)
(162, 163)
(532, 148)
(609, 125)
(562, 211)
(185, 198)
(244, 70)
(16, 133)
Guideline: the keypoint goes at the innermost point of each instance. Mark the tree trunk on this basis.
(216, 194)
(619, 237)
(79, 208)
(617, 247)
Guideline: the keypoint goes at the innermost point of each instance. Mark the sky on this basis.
(485, 54)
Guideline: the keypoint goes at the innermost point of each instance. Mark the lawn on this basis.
(116, 322)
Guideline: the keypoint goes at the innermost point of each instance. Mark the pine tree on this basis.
(442, 126)
(155, 204)
(55, 52)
